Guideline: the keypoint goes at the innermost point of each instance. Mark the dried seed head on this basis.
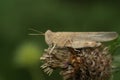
(80, 64)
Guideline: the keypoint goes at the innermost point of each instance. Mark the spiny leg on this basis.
(49, 48)
(51, 51)
(73, 47)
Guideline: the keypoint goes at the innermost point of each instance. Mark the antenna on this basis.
(35, 34)
(41, 33)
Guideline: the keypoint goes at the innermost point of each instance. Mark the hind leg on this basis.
(73, 47)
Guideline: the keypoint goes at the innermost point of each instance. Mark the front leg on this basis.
(50, 51)
(52, 48)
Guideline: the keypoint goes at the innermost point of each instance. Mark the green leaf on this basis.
(114, 46)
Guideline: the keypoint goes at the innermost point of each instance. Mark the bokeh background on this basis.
(19, 52)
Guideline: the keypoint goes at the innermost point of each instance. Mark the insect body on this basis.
(78, 39)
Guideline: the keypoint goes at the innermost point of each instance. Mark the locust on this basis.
(76, 39)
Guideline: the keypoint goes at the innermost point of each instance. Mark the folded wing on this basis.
(95, 36)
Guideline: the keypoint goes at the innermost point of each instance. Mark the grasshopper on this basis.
(76, 39)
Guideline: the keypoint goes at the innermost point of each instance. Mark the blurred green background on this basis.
(19, 52)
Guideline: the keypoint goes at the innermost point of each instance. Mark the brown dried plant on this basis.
(81, 64)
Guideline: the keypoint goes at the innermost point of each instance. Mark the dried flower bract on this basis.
(81, 64)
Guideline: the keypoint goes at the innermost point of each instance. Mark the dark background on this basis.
(19, 52)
